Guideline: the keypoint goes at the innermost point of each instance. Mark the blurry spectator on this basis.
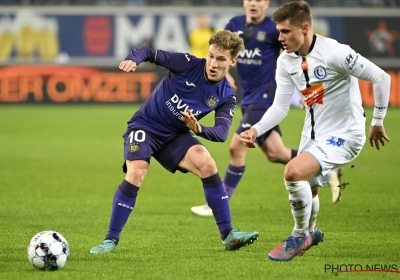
(198, 38)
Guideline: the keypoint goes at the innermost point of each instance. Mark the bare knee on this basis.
(207, 167)
(237, 152)
(292, 174)
(136, 173)
(273, 156)
(275, 150)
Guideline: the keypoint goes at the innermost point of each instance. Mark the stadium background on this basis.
(68, 51)
(61, 150)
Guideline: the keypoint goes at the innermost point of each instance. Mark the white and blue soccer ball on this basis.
(48, 250)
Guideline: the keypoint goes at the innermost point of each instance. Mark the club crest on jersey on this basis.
(320, 72)
(212, 101)
(133, 147)
(261, 36)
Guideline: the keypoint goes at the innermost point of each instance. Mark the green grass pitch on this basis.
(60, 166)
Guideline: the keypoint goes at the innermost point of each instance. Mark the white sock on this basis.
(300, 198)
(314, 212)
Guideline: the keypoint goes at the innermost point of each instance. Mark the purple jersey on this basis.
(257, 62)
(184, 87)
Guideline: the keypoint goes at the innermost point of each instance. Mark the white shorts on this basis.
(331, 152)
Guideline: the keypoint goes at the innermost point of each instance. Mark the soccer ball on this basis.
(48, 250)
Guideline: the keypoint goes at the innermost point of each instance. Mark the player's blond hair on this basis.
(228, 41)
(298, 12)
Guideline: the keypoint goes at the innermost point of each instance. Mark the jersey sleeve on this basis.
(284, 84)
(274, 115)
(223, 121)
(345, 60)
(173, 61)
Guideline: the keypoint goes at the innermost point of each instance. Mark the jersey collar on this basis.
(311, 46)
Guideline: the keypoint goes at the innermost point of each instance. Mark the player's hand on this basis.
(128, 66)
(248, 137)
(376, 135)
(191, 122)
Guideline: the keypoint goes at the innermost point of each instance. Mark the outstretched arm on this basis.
(175, 62)
(381, 82)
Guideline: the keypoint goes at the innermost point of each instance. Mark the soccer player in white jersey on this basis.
(325, 72)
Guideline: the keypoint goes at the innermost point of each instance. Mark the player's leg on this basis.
(335, 185)
(198, 161)
(317, 236)
(233, 174)
(137, 155)
(237, 164)
(274, 148)
(251, 114)
(123, 204)
(297, 173)
(319, 158)
(312, 225)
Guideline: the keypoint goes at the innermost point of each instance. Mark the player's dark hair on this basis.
(228, 41)
(298, 12)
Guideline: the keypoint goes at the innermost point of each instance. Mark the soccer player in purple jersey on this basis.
(161, 128)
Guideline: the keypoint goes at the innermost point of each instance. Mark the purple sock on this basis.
(294, 153)
(233, 175)
(218, 201)
(122, 206)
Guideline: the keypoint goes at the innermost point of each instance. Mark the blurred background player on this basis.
(191, 89)
(327, 78)
(199, 37)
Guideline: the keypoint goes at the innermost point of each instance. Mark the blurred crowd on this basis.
(315, 3)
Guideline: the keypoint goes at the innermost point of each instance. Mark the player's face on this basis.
(218, 62)
(255, 10)
(292, 37)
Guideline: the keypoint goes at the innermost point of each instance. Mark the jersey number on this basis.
(138, 136)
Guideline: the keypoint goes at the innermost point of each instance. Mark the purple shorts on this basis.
(142, 144)
(252, 114)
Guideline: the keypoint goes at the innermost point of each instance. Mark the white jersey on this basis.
(328, 85)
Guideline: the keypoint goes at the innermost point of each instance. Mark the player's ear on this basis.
(305, 28)
(233, 62)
